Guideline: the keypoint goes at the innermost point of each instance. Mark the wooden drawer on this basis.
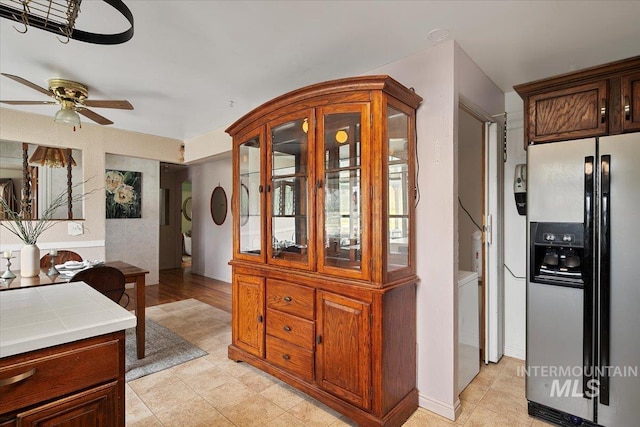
(292, 358)
(47, 374)
(293, 299)
(292, 329)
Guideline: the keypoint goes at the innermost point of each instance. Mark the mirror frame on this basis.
(186, 209)
(218, 202)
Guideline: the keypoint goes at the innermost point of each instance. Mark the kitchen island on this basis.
(62, 356)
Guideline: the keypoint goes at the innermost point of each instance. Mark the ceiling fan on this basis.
(72, 98)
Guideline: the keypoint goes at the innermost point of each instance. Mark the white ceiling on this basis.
(196, 66)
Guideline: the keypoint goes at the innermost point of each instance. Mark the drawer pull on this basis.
(287, 299)
(17, 378)
(286, 357)
(287, 328)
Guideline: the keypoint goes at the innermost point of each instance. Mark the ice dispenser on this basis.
(557, 250)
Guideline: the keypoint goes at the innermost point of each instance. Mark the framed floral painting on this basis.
(123, 191)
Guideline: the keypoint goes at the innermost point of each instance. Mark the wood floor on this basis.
(179, 284)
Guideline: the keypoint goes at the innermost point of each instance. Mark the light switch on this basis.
(75, 228)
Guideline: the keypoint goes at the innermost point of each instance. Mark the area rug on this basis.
(163, 349)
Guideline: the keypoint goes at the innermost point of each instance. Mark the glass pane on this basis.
(343, 220)
(250, 224)
(289, 200)
(398, 185)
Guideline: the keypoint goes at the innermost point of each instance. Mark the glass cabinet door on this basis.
(250, 198)
(288, 193)
(399, 183)
(344, 202)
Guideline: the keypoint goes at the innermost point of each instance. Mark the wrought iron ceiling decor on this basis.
(59, 17)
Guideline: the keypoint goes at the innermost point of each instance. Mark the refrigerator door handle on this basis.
(587, 277)
(605, 277)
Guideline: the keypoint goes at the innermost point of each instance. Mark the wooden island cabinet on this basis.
(75, 384)
(324, 274)
(597, 101)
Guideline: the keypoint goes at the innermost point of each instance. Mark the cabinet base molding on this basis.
(395, 417)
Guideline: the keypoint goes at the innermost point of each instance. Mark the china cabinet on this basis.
(324, 275)
(597, 101)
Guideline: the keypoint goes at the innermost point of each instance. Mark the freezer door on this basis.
(554, 349)
(622, 349)
(555, 174)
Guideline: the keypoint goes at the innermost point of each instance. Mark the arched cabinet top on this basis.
(362, 85)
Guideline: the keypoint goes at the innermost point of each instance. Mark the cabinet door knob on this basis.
(287, 299)
(260, 188)
(259, 318)
(287, 328)
(17, 378)
(627, 108)
(286, 357)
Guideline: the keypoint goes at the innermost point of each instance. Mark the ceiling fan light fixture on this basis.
(68, 116)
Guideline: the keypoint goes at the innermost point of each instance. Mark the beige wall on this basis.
(135, 240)
(95, 142)
(441, 75)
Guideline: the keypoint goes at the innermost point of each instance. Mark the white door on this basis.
(493, 246)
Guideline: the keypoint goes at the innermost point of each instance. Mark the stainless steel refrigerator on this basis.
(583, 281)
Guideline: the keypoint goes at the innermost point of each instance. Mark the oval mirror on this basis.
(186, 208)
(218, 205)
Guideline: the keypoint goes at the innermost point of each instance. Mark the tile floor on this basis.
(215, 391)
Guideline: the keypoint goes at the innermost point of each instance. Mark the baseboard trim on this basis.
(443, 409)
(517, 352)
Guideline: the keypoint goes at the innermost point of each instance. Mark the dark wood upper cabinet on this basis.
(597, 101)
(631, 102)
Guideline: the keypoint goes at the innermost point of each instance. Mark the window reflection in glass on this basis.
(250, 224)
(398, 189)
(342, 188)
(289, 201)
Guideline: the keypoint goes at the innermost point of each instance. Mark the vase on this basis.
(29, 261)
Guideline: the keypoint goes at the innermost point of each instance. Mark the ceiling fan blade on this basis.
(121, 104)
(28, 83)
(94, 116)
(29, 102)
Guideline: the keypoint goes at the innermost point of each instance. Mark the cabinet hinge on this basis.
(371, 320)
(371, 394)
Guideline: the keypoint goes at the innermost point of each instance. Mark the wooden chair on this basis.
(61, 258)
(107, 280)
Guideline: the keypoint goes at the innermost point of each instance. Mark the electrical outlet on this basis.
(75, 228)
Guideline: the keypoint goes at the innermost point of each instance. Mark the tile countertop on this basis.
(44, 316)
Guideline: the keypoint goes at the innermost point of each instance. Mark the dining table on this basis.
(132, 274)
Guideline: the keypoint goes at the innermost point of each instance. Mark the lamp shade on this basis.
(67, 116)
(50, 156)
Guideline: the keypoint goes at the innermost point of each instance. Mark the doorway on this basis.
(174, 224)
(186, 224)
(480, 179)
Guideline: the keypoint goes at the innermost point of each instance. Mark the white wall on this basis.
(212, 244)
(440, 75)
(515, 236)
